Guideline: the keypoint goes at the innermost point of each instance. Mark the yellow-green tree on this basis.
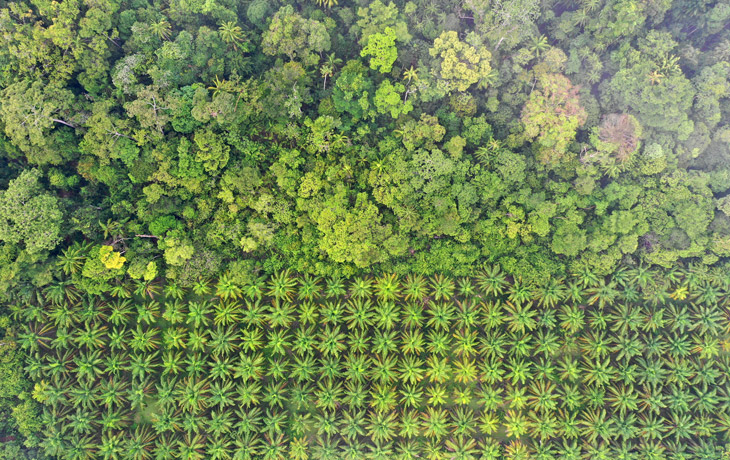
(459, 64)
(552, 115)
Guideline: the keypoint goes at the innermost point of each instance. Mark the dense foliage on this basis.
(337, 138)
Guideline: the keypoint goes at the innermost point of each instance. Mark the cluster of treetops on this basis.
(185, 138)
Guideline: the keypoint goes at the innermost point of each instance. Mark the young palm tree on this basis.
(550, 293)
(282, 286)
(120, 312)
(226, 288)
(415, 288)
(309, 287)
(142, 365)
(442, 287)
(226, 313)
(361, 288)
(281, 314)
(198, 313)
(492, 280)
(335, 287)
(387, 288)
(201, 287)
(520, 318)
(148, 313)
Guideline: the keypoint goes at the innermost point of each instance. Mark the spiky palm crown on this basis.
(302, 367)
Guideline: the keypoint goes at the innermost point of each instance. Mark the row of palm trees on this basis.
(383, 367)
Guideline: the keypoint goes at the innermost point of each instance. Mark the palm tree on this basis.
(520, 292)
(248, 447)
(309, 287)
(361, 288)
(434, 423)
(112, 446)
(277, 342)
(226, 313)
(62, 291)
(144, 339)
(327, 3)
(602, 293)
(326, 70)
(142, 365)
(171, 363)
(280, 314)
(335, 287)
(72, 258)
(201, 287)
(146, 288)
(192, 395)
(120, 312)
(174, 312)
(442, 287)
(249, 367)
(173, 291)
(282, 286)
(37, 335)
(415, 287)
(520, 318)
(161, 28)
(118, 338)
(231, 33)
(440, 316)
(410, 74)
(198, 313)
(387, 315)
(515, 424)
(91, 336)
(63, 315)
(550, 293)
(191, 447)
(226, 288)
(386, 287)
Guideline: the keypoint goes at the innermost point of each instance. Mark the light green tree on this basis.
(458, 63)
(382, 51)
(29, 215)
